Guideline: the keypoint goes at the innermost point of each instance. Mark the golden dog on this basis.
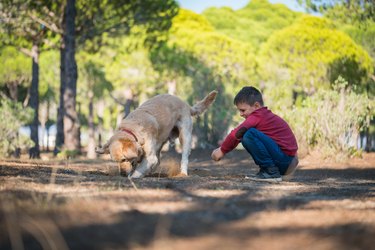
(137, 142)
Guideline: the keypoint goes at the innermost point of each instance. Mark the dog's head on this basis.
(127, 152)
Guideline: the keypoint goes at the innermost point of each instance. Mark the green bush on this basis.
(12, 117)
(68, 154)
(330, 120)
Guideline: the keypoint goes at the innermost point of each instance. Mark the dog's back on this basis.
(170, 108)
(159, 115)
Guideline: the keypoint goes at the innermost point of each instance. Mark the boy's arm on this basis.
(230, 142)
(233, 139)
(235, 136)
(225, 147)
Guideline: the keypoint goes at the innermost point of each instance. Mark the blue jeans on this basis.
(265, 152)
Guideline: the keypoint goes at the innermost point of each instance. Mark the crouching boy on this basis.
(267, 137)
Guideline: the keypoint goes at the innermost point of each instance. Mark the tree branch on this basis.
(26, 51)
(52, 26)
(116, 100)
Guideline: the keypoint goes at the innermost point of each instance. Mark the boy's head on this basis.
(248, 100)
(248, 95)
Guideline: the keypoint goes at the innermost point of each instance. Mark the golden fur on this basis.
(137, 143)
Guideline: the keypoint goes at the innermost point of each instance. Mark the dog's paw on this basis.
(181, 175)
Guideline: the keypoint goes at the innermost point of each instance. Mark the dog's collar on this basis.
(129, 132)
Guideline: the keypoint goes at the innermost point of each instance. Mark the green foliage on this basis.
(313, 55)
(354, 11)
(202, 60)
(49, 76)
(252, 24)
(129, 69)
(97, 20)
(69, 154)
(92, 83)
(331, 119)
(12, 117)
(27, 21)
(365, 37)
(361, 30)
(15, 67)
(231, 60)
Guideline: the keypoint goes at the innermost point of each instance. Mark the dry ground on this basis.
(85, 204)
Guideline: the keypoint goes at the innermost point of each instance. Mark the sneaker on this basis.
(291, 169)
(262, 175)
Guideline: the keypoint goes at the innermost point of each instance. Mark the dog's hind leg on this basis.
(185, 128)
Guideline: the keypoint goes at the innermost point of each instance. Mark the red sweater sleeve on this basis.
(229, 143)
(233, 139)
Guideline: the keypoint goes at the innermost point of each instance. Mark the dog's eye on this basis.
(124, 160)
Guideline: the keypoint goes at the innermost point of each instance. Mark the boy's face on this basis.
(246, 109)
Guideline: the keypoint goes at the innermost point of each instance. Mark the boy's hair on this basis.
(248, 95)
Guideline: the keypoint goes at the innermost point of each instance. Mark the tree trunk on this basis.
(71, 122)
(34, 152)
(91, 133)
(47, 127)
(100, 106)
(43, 118)
(59, 142)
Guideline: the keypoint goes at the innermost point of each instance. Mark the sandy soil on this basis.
(83, 204)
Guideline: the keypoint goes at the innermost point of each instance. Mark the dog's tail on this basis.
(201, 106)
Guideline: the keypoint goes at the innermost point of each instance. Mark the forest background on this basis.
(80, 67)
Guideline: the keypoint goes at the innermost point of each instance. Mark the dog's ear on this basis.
(102, 150)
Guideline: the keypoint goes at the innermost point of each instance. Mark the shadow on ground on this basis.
(216, 207)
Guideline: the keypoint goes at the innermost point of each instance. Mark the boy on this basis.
(266, 136)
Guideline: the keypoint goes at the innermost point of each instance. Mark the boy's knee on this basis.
(249, 136)
(251, 132)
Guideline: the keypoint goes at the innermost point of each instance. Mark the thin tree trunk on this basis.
(34, 152)
(43, 118)
(100, 113)
(47, 127)
(60, 111)
(91, 133)
(71, 122)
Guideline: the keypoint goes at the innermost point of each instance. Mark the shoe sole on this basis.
(269, 180)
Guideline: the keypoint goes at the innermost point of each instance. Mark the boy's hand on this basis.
(217, 154)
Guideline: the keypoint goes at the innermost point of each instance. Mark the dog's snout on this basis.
(132, 161)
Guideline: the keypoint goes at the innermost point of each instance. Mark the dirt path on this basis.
(86, 205)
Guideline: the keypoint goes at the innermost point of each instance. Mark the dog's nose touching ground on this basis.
(125, 168)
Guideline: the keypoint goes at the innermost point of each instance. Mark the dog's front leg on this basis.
(144, 167)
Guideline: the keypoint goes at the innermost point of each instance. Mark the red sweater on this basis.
(268, 123)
